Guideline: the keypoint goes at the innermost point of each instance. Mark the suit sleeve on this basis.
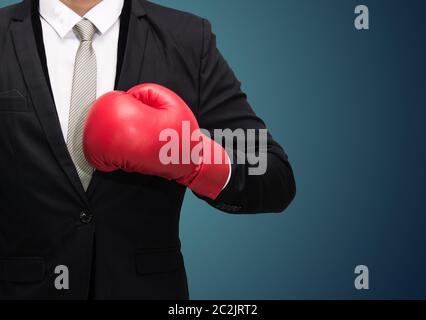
(222, 105)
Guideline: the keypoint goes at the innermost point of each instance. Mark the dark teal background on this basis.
(349, 108)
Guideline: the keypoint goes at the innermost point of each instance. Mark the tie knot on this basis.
(84, 30)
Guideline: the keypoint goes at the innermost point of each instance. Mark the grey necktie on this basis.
(83, 94)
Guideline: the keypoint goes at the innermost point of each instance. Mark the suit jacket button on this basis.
(85, 217)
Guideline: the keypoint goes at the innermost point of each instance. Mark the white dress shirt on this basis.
(61, 45)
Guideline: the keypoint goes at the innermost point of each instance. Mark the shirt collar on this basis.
(62, 19)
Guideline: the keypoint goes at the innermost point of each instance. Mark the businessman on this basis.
(114, 233)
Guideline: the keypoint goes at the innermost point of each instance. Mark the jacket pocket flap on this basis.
(22, 269)
(12, 101)
(158, 261)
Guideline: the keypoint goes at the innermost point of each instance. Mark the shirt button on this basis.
(85, 217)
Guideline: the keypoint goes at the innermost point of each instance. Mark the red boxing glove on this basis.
(126, 131)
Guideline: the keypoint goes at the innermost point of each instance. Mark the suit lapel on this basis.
(27, 54)
(135, 48)
(133, 58)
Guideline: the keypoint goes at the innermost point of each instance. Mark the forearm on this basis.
(271, 191)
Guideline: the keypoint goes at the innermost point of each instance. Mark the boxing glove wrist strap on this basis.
(212, 173)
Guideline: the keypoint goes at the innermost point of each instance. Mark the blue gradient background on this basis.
(349, 108)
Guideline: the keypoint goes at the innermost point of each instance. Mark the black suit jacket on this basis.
(120, 238)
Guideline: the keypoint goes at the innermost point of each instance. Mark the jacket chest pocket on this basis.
(13, 107)
(13, 101)
(21, 135)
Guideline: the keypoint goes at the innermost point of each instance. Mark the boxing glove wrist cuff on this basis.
(212, 173)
